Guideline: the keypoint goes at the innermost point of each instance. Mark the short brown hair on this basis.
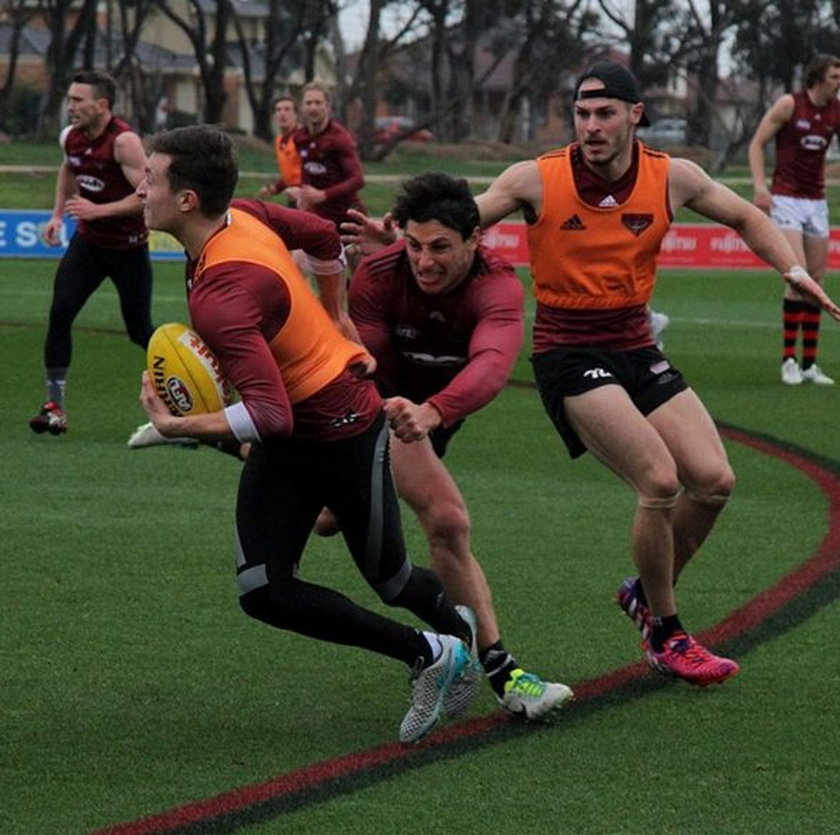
(817, 67)
(104, 86)
(203, 159)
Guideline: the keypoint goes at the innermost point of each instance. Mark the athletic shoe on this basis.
(628, 599)
(465, 688)
(430, 685)
(791, 375)
(814, 374)
(147, 435)
(658, 323)
(50, 419)
(527, 695)
(684, 658)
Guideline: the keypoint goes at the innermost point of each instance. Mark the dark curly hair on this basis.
(437, 196)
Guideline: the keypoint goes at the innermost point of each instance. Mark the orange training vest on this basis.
(309, 350)
(592, 257)
(288, 159)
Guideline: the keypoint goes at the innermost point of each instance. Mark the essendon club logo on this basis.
(637, 223)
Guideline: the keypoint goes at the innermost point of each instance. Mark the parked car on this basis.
(665, 132)
(387, 127)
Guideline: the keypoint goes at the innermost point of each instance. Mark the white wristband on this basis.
(795, 275)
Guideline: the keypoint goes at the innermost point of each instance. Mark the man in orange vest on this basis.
(288, 159)
(597, 211)
(316, 426)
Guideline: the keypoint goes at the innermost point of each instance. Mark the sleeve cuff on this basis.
(241, 424)
(326, 267)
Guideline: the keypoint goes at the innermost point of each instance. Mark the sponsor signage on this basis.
(685, 245)
(22, 236)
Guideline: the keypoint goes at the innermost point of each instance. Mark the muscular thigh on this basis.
(692, 438)
(613, 429)
(422, 478)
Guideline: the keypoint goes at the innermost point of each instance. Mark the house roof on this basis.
(35, 40)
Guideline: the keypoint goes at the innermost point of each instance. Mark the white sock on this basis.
(433, 640)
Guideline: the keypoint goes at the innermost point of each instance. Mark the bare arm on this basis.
(65, 188)
(517, 187)
(690, 186)
(129, 153)
(770, 124)
(208, 427)
(332, 291)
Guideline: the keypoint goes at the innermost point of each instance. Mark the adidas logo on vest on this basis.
(573, 224)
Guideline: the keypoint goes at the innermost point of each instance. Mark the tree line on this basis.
(429, 52)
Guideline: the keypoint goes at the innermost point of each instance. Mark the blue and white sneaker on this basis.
(429, 687)
(465, 688)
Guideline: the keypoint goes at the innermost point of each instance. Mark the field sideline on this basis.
(133, 685)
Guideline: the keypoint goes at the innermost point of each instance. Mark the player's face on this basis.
(159, 204)
(604, 127)
(316, 110)
(440, 258)
(84, 110)
(285, 115)
(830, 85)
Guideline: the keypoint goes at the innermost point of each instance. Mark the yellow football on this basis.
(185, 372)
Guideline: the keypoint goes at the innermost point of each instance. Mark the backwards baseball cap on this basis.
(618, 81)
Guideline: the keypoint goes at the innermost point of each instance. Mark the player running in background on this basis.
(332, 170)
(443, 318)
(103, 163)
(316, 427)
(288, 158)
(803, 125)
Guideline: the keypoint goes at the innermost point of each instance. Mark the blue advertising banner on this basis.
(21, 236)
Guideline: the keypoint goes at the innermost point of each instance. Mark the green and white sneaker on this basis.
(465, 688)
(430, 685)
(527, 695)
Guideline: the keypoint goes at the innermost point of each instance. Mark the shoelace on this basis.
(693, 652)
(528, 684)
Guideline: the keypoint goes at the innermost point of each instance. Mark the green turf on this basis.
(132, 683)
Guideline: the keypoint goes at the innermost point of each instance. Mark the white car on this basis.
(665, 132)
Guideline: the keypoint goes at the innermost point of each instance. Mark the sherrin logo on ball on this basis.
(185, 372)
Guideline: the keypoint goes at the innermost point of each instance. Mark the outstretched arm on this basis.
(692, 187)
(368, 234)
(518, 187)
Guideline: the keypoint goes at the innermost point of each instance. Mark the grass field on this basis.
(131, 682)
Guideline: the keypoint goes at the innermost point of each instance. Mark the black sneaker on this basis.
(50, 419)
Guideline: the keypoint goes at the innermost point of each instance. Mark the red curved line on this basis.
(743, 619)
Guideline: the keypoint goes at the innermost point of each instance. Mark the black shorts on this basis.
(284, 485)
(645, 374)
